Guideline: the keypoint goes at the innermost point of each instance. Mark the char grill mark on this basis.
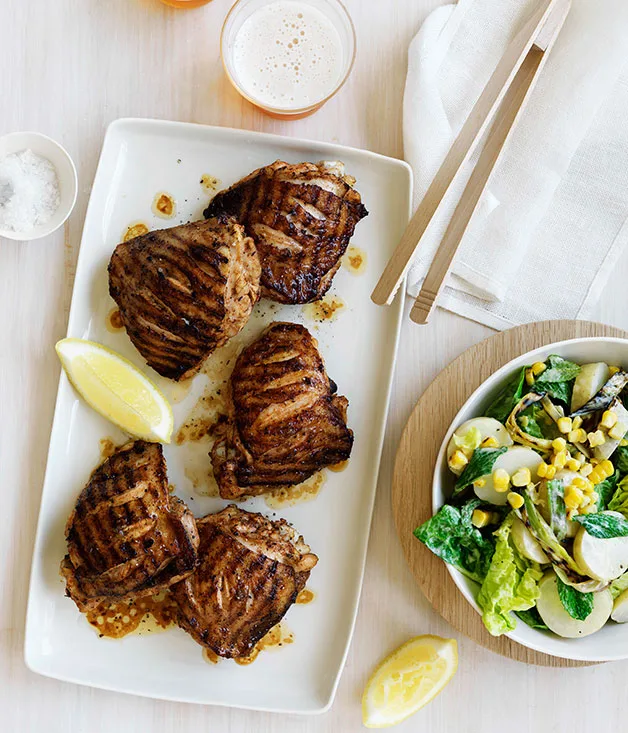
(301, 218)
(126, 536)
(250, 572)
(183, 292)
(284, 421)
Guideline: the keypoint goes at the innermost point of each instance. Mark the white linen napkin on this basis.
(554, 219)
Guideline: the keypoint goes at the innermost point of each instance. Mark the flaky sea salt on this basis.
(29, 191)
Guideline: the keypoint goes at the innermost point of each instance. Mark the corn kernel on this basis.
(501, 480)
(458, 460)
(586, 470)
(596, 476)
(490, 442)
(538, 368)
(594, 461)
(559, 459)
(479, 483)
(564, 424)
(596, 438)
(591, 509)
(573, 497)
(572, 464)
(578, 435)
(522, 477)
(623, 442)
(581, 458)
(542, 470)
(580, 483)
(559, 444)
(607, 468)
(576, 422)
(613, 370)
(586, 500)
(609, 418)
(480, 518)
(529, 377)
(618, 431)
(551, 472)
(515, 500)
(595, 497)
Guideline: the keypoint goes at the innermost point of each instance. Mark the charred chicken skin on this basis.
(250, 572)
(301, 218)
(185, 291)
(285, 422)
(127, 537)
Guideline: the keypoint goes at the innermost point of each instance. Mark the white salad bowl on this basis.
(53, 151)
(611, 641)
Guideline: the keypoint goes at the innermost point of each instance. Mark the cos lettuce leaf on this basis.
(450, 535)
(507, 397)
(511, 583)
(620, 459)
(532, 618)
(481, 464)
(605, 490)
(558, 379)
(619, 502)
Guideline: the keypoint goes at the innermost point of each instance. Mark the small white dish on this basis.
(66, 172)
(610, 643)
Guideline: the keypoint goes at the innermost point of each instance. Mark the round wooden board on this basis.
(416, 457)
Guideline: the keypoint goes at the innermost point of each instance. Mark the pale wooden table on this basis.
(69, 67)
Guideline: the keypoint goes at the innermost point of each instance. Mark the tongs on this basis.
(500, 106)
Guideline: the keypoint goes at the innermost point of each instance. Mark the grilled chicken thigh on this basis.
(285, 421)
(185, 291)
(127, 537)
(250, 572)
(301, 218)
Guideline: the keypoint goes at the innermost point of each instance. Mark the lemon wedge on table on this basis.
(408, 679)
(116, 389)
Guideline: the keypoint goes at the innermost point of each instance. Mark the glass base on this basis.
(288, 115)
(185, 3)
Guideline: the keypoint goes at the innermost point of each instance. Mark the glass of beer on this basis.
(288, 57)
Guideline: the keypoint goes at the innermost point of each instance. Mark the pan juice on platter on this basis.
(288, 55)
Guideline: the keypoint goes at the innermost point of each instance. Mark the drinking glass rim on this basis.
(283, 110)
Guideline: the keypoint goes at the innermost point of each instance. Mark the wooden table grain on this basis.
(68, 68)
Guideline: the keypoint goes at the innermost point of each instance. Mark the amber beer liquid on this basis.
(185, 3)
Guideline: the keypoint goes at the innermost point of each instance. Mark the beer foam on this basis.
(288, 55)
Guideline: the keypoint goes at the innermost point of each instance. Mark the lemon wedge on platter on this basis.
(408, 679)
(117, 389)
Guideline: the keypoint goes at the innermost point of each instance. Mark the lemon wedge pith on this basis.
(117, 389)
(408, 679)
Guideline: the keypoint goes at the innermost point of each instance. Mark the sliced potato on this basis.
(590, 380)
(480, 427)
(513, 459)
(526, 543)
(560, 622)
(620, 608)
(601, 559)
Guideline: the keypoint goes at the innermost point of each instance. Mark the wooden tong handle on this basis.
(474, 127)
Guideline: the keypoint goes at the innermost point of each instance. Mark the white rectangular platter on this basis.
(139, 159)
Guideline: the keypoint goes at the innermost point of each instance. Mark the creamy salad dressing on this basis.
(288, 55)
